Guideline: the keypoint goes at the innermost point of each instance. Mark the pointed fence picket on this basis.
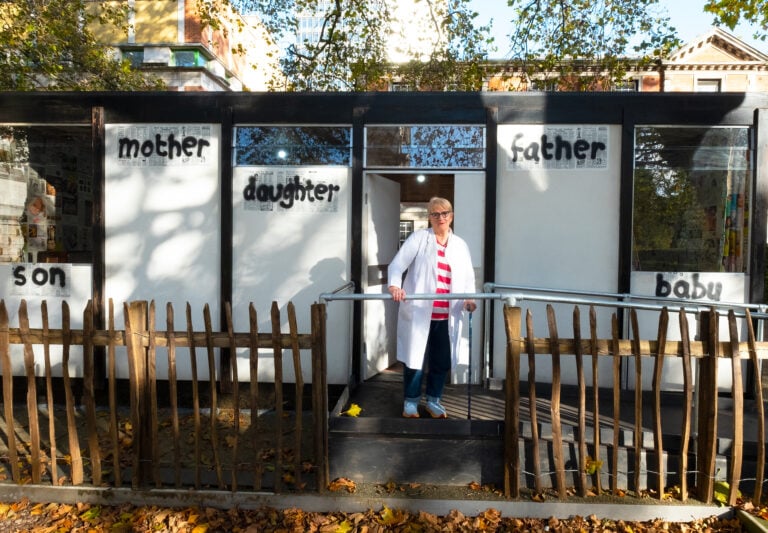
(706, 351)
(128, 447)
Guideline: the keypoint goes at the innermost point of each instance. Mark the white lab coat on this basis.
(418, 255)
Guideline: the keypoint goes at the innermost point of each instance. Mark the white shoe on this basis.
(434, 408)
(410, 409)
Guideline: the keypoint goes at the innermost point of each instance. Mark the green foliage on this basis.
(732, 12)
(351, 51)
(585, 44)
(48, 45)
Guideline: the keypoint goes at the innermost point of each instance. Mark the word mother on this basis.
(188, 146)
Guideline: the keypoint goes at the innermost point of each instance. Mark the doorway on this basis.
(395, 205)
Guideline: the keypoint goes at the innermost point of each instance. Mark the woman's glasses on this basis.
(440, 214)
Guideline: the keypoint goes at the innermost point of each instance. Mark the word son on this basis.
(289, 192)
(559, 149)
(39, 276)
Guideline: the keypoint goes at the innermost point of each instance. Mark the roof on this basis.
(717, 46)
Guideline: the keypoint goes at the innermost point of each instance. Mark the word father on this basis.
(558, 149)
(287, 193)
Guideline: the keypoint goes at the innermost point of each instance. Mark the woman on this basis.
(428, 331)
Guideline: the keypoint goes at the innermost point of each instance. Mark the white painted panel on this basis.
(557, 224)
(704, 287)
(469, 223)
(162, 222)
(382, 224)
(17, 284)
(292, 249)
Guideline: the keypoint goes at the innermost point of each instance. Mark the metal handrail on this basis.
(514, 298)
(682, 302)
(624, 300)
(348, 286)
(327, 297)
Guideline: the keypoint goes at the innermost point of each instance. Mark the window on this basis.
(692, 189)
(708, 86)
(134, 57)
(293, 145)
(425, 146)
(46, 194)
(626, 86)
(188, 58)
(400, 87)
(406, 228)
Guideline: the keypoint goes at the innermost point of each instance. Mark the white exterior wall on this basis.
(25, 281)
(292, 254)
(162, 225)
(557, 227)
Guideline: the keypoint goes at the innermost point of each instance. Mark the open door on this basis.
(381, 236)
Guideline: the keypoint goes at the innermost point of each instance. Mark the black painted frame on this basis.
(360, 109)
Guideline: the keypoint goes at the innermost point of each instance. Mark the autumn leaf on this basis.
(342, 483)
(389, 517)
(91, 513)
(354, 410)
(591, 465)
(344, 527)
(722, 490)
(390, 486)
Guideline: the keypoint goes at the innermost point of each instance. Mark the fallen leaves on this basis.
(51, 517)
(354, 410)
(342, 483)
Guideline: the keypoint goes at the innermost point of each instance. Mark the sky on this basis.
(687, 16)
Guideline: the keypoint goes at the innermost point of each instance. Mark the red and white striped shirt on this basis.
(440, 307)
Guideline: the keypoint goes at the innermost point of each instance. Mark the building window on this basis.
(708, 86)
(543, 85)
(626, 86)
(134, 57)
(188, 58)
(692, 196)
(400, 87)
(46, 194)
(406, 228)
(425, 147)
(293, 145)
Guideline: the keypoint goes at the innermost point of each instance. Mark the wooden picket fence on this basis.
(707, 351)
(180, 448)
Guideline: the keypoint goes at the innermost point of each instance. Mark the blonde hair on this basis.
(437, 201)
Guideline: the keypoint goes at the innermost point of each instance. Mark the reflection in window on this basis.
(134, 57)
(425, 146)
(406, 228)
(46, 194)
(692, 190)
(293, 145)
(188, 58)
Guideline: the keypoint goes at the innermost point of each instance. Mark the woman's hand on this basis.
(397, 293)
(470, 305)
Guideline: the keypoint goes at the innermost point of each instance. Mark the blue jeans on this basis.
(437, 359)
